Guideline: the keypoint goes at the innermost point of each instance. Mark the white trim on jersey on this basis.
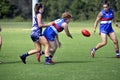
(104, 22)
(54, 29)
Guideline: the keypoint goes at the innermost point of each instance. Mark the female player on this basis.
(0, 41)
(36, 35)
(105, 17)
(51, 32)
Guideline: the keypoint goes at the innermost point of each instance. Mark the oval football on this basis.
(85, 33)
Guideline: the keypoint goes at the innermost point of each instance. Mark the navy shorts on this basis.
(35, 36)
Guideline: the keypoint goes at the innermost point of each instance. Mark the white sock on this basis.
(117, 53)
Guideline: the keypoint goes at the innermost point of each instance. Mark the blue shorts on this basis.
(49, 34)
(35, 36)
(106, 29)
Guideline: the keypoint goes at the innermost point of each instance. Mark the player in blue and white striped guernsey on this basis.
(105, 17)
(51, 32)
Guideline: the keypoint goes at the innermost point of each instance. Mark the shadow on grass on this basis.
(114, 57)
(12, 62)
(108, 57)
(61, 62)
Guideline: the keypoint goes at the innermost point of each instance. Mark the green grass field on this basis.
(73, 61)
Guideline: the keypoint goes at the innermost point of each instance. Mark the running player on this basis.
(51, 33)
(36, 35)
(105, 17)
(0, 41)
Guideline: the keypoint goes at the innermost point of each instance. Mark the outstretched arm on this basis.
(65, 26)
(40, 24)
(57, 41)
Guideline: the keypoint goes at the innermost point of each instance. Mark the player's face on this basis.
(105, 7)
(41, 10)
(68, 20)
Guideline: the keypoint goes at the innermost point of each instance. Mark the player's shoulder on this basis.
(64, 24)
(111, 10)
(102, 11)
(59, 19)
(39, 14)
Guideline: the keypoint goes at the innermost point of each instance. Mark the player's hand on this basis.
(71, 37)
(116, 24)
(94, 31)
(59, 44)
(0, 29)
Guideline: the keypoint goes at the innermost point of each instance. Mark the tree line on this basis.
(80, 9)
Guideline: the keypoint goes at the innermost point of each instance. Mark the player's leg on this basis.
(0, 42)
(44, 42)
(38, 55)
(31, 52)
(99, 45)
(53, 48)
(113, 37)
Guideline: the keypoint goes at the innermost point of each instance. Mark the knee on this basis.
(46, 45)
(53, 49)
(104, 43)
(38, 50)
(115, 41)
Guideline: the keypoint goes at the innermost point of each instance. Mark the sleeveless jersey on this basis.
(51, 31)
(35, 27)
(36, 30)
(106, 21)
(57, 24)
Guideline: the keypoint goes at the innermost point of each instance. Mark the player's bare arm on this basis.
(96, 21)
(115, 21)
(47, 24)
(65, 26)
(39, 18)
(40, 24)
(57, 40)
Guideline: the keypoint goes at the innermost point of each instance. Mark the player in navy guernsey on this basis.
(37, 37)
(105, 17)
(51, 32)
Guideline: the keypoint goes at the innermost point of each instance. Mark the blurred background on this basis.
(21, 10)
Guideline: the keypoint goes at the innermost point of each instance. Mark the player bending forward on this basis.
(51, 33)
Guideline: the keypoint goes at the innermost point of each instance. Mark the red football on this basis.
(85, 32)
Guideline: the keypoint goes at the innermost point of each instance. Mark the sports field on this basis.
(73, 61)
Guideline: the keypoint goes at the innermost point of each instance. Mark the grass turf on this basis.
(73, 61)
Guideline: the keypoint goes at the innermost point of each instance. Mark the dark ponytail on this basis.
(37, 7)
(106, 3)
